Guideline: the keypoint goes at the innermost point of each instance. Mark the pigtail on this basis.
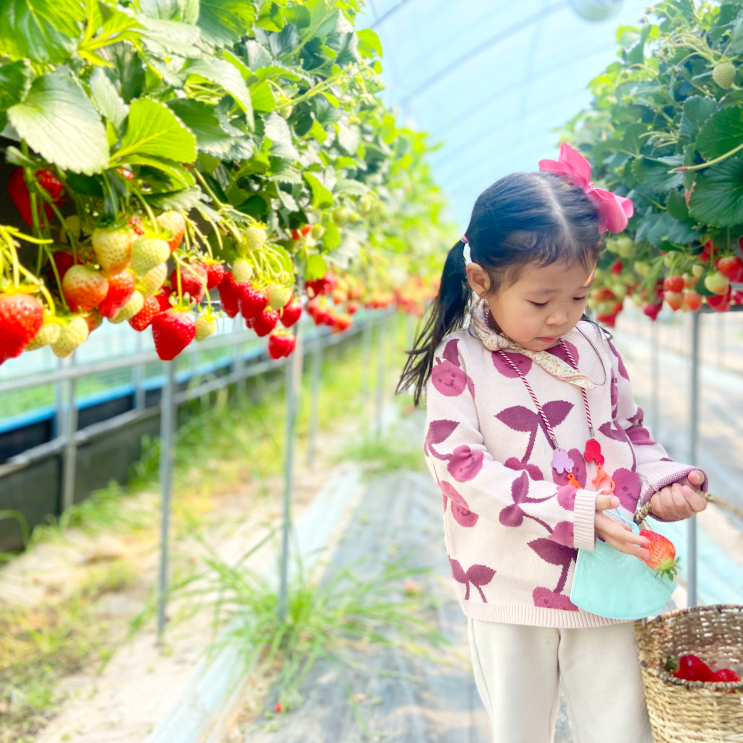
(447, 314)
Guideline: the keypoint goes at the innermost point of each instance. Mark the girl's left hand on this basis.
(680, 500)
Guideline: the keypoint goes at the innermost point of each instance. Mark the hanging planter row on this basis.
(170, 158)
(666, 128)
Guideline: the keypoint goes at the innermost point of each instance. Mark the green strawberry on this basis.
(242, 271)
(48, 334)
(130, 309)
(113, 249)
(153, 280)
(278, 296)
(255, 239)
(148, 252)
(205, 326)
(724, 74)
(70, 337)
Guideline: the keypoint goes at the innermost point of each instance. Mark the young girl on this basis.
(531, 423)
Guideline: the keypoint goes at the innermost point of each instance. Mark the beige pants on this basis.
(518, 670)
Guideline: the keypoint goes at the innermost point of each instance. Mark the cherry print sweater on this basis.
(512, 525)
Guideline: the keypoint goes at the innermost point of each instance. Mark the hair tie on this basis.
(466, 252)
(614, 211)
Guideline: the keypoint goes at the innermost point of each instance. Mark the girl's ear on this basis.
(478, 279)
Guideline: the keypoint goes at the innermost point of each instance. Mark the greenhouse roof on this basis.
(492, 81)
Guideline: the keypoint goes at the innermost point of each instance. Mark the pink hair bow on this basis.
(614, 211)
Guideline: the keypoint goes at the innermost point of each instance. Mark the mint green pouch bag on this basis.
(610, 584)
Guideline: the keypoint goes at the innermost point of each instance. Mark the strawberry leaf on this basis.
(721, 133)
(58, 121)
(224, 22)
(321, 197)
(153, 129)
(717, 198)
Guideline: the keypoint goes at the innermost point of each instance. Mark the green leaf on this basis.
(657, 174)
(186, 198)
(128, 68)
(15, 80)
(285, 41)
(153, 129)
(277, 130)
(107, 99)
(288, 201)
(315, 268)
(369, 43)
(262, 97)
(348, 137)
(179, 175)
(717, 198)
(227, 77)
(258, 55)
(697, 110)
(202, 120)
(677, 208)
(321, 197)
(171, 10)
(721, 133)
(170, 36)
(40, 30)
(736, 37)
(331, 237)
(224, 22)
(58, 121)
(350, 187)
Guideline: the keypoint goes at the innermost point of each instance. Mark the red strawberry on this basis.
(252, 301)
(163, 298)
(691, 668)
(725, 675)
(342, 322)
(352, 307)
(172, 331)
(18, 192)
(281, 344)
(120, 290)
(126, 173)
(662, 553)
(94, 320)
(738, 297)
(708, 251)
(214, 274)
(277, 707)
(21, 317)
(84, 288)
(296, 235)
(264, 322)
(175, 223)
(609, 320)
(717, 283)
(144, 317)
(193, 281)
(136, 224)
(229, 294)
(674, 283)
(693, 300)
(290, 313)
(720, 302)
(732, 267)
(617, 268)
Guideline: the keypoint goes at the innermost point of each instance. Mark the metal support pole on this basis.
(167, 456)
(366, 351)
(693, 454)
(238, 362)
(293, 385)
(380, 376)
(59, 402)
(654, 378)
(315, 401)
(70, 448)
(139, 392)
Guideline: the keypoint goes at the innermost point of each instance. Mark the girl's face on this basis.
(546, 302)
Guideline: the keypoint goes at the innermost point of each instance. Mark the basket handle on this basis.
(647, 509)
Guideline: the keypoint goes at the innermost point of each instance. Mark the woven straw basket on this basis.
(692, 711)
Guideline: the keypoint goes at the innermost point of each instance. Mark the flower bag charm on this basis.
(614, 585)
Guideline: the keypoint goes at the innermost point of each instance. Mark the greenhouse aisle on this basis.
(389, 694)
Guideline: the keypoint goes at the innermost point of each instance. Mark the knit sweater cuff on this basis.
(584, 535)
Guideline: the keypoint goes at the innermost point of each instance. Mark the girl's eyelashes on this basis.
(539, 304)
(544, 304)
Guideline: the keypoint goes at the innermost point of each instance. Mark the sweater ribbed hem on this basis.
(535, 616)
(584, 536)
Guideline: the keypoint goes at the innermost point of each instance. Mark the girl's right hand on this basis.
(615, 532)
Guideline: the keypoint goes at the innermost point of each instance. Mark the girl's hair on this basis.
(523, 218)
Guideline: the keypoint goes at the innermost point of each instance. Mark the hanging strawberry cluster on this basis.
(664, 129)
(207, 160)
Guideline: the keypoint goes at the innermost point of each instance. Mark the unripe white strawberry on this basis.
(48, 334)
(151, 282)
(205, 326)
(724, 74)
(175, 223)
(113, 249)
(131, 308)
(254, 239)
(242, 270)
(70, 337)
(278, 296)
(148, 252)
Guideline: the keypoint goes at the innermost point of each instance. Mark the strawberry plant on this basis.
(666, 129)
(205, 152)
